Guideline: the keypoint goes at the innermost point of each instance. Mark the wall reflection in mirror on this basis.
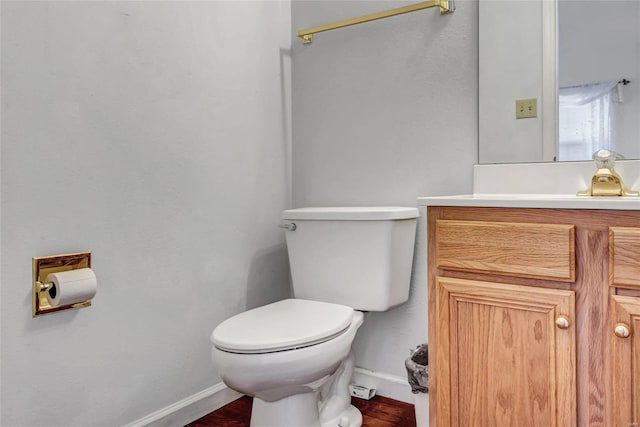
(579, 58)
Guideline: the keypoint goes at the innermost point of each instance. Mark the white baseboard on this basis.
(386, 385)
(189, 409)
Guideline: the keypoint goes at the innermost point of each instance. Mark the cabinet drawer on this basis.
(624, 257)
(543, 251)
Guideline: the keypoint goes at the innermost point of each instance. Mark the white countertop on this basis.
(551, 201)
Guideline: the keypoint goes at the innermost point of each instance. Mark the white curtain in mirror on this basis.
(586, 121)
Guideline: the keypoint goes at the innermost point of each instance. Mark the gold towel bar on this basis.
(446, 6)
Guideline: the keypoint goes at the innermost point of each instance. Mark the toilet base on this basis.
(336, 409)
(301, 411)
(351, 417)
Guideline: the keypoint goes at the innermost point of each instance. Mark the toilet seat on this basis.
(283, 325)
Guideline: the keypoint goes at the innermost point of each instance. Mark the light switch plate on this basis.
(526, 108)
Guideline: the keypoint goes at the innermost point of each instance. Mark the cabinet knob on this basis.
(562, 322)
(622, 330)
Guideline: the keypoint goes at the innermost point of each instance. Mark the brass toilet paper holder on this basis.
(42, 267)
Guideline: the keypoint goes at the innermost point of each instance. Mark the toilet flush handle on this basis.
(291, 226)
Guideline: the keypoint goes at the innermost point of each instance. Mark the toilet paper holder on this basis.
(42, 267)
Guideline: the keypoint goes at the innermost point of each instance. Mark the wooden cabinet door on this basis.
(625, 370)
(501, 358)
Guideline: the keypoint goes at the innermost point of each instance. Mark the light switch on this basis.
(526, 108)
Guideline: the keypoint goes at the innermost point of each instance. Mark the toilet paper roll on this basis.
(70, 287)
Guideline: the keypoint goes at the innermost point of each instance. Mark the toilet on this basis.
(294, 356)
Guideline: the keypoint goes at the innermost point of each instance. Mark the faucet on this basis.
(606, 181)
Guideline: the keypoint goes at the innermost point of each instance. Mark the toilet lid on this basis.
(283, 325)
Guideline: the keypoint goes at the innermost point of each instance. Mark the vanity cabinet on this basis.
(534, 317)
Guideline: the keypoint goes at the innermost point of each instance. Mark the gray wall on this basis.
(155, 135)
(383, 113)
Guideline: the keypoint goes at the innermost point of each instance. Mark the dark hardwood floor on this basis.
(377, 412)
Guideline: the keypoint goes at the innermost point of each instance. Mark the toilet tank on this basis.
(357, 256)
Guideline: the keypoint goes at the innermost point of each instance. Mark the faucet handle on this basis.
(606, 159)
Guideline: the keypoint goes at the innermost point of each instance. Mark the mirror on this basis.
(579, 60)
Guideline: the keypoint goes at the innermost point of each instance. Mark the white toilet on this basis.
(294, 356)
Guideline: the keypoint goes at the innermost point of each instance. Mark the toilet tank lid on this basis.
(283, 325)
(373, 213)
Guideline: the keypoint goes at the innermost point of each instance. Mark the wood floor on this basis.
(377, 412)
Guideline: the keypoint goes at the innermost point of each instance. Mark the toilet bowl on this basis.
(288, 355)
(294, 356)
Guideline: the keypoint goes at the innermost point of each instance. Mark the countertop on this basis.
(550, 201)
